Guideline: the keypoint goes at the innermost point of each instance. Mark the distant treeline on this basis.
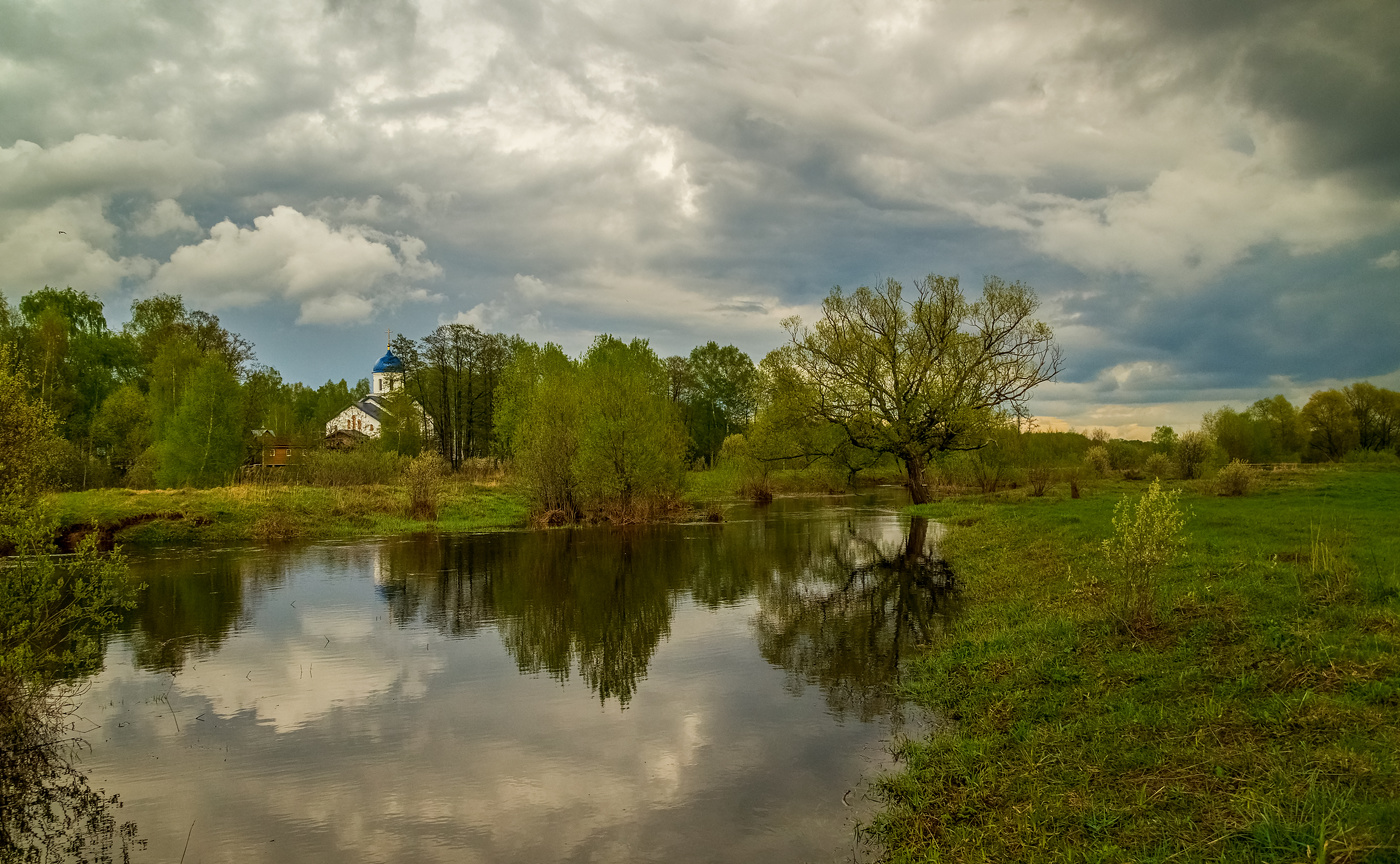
(173, 397)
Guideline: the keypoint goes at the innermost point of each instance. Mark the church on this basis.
(365, 419)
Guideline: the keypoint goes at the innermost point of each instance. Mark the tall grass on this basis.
(363, 466)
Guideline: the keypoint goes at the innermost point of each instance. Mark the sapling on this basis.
(1147, 536)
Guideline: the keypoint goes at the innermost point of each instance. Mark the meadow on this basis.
(1254, 719)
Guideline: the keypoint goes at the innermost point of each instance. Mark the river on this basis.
(679, 693)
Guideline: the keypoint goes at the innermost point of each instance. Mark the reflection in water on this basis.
(846, 626)
(642, 693)
(192, 602)
(838, 608)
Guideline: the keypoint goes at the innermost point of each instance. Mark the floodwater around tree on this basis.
(706, 692)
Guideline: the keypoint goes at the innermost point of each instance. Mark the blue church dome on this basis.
(388, 363)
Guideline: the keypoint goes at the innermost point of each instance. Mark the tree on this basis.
(920, 378)
(1238, 434)
(1192, 452)
(631, 444)
(1331, 426)
(27, 440)
(1376, 412)
(721, 395)
(1163, 439)
(541, 406)
(203, 444)
(122, 428)
(1287, 432)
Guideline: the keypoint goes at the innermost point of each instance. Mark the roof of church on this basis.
(373, 406)
(389, 363)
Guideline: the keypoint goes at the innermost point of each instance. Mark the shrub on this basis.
(1147, 536)
(1158, 466)
(1074, 476)
(1039, 476)
(987, 471)
(1193, 450)
(755, 482)
(1235, 478)
(424, 481)
(1097, 461)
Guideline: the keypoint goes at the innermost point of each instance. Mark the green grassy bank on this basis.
(273, 512)
(1257, 720)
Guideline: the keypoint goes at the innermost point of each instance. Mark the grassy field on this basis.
(274, 512)
(1258, 720)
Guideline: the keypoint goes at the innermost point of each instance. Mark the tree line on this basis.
(172, 397)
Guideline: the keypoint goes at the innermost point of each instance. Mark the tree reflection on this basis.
(593, 601)
(838, 606)
(192, 603)
(854, 614)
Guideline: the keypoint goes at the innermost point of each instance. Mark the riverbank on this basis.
(275, 512)
(1256, 721)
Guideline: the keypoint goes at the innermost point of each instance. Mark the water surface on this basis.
(670, 693)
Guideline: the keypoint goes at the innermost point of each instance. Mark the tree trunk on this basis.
(918, 486)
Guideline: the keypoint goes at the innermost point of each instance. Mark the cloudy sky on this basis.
(1206, 196)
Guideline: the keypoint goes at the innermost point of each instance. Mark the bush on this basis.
(1235, 478)
(1147, 536)
(755, 481)
(1364, 457)
(1097, 461)
(424, 481)
(1039, 476)
(987, 471)
(1158, 466)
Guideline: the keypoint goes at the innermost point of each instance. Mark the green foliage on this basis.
(1193, 451)
(720, 397)
(27, 439)
(423, 480)
(600, 434)
(630, 444)
(1147, 536)
(122, 429)
(401, 430)
(202, 444)
(1164, 439)
(1332, 430)
(1376, 412)
(916, 378)
(541, 415)
(1158, 466)
(1236, 478)
(1096, 460)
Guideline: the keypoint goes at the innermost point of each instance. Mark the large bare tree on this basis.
(924, 376)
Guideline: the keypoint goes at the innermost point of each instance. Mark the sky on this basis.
(1205, 196)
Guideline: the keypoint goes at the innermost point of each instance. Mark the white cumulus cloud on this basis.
(335, 275)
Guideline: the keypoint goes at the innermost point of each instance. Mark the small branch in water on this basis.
(187, 842)
(172, 712)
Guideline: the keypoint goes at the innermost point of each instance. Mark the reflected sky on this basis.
(677, 693)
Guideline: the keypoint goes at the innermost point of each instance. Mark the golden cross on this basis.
(388, 339)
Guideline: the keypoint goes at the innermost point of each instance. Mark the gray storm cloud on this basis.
(1157, 171)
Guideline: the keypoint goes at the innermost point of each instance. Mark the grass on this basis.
(274, 512)
(1257, 721)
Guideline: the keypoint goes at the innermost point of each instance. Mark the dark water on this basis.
(671, 693)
